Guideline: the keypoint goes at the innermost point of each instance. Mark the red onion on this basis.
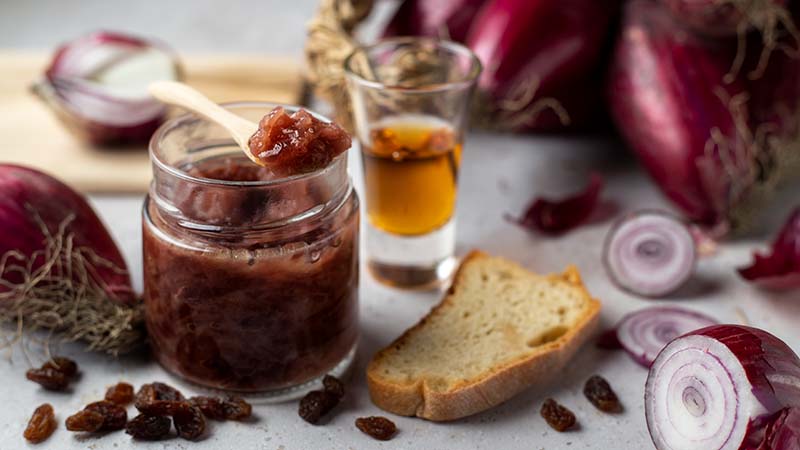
(446, 19)
(97, 86)
(649, 253)
(688, 127)
(59, 267)
(559, 216)
(780, 268)
(724, 387)
(726, 17)
(645, 332)
(539, 59)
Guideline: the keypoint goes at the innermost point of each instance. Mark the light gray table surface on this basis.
(500, 175)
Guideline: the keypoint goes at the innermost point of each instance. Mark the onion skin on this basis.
(446, 19)
(665, 90)
(27, 192)
(780, 268)
(557, 44)
(60, 89)
(767, 395)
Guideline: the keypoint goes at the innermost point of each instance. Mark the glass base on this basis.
(411, 262)
(341, 371)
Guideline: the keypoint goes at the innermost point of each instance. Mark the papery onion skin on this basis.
(559, 216)
(668, 97)
(645, 332)
(28, 193)
(759, 369)
(445, 19)
(780, 268)
(541, 59)
(122, 121)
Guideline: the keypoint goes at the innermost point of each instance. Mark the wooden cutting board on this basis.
(31, 135)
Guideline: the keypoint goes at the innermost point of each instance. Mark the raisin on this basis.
(333, 386)
(316, 404)
(87, 421)
(378, 427)
(212, 407)
(189, 421)
(148, 428)
(49, 378)
(558, 417)
(215, 408)
(600, 394)
(114, 415)
(41, 425)
(157, 399)
(120, 393)
(64, 365)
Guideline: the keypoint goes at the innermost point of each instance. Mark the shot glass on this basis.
(410, 99)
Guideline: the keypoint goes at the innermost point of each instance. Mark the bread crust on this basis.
(491, 388)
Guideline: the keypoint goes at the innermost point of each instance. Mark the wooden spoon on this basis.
(179, 94)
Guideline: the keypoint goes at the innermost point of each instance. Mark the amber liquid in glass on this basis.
(411, 170)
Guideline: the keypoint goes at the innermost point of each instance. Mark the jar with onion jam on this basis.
(251, 280)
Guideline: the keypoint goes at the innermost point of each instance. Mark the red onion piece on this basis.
(649, 253)
(97, 84)
(559, 216)
(28, 197)
(644, 333)
(446, 19)
(724, 387)
(780, 268)
(540, 59)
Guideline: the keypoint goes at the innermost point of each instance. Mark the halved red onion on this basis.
(97, 86)
(644, 333)
(780, 269)
(724, 387)
(649, 253)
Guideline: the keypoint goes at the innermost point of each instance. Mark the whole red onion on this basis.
(724, 17)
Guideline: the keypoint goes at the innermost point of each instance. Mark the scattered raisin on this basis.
(64, 365)
(120, 393)
(148, 428)
(236, 408)
(378, 427)
(558, 417)
(316, 404)
(189, 421)
(216, 408)
(212, 407)
(87, 421)
(49, 378)
(54, 375)
(157, 399)
(600, 394)
(114, 415)
(333, 386)
(41, 425)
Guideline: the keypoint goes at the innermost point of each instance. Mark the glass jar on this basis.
(251, 281)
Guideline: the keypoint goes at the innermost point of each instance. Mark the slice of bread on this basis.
(499, 330)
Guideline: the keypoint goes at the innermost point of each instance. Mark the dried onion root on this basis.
(60, 292)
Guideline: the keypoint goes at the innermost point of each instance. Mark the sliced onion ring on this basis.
(723, 387)
(644, 333)
(96, 85)
(649, 253)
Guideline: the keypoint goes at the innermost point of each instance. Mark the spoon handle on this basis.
(179, 94)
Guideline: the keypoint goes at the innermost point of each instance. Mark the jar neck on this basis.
(183, 199)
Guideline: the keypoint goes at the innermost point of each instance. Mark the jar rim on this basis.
(188, 117)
